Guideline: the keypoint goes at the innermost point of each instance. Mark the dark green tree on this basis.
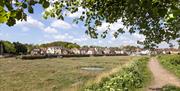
(158, 20)
(130, 48)
(20, 48)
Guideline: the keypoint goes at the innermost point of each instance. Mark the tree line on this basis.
(13, 47)
(17, 48)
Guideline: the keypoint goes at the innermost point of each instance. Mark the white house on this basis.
(54, 50)
(107, 51)
(83, 51)
(145, 52)
(91, 51)
(120, 52)
(35, 51)
(76, 51)
(38, 51)
(99, 51)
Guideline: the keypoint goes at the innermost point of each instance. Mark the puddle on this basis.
(93, 68)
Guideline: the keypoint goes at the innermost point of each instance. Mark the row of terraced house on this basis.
(57, 50)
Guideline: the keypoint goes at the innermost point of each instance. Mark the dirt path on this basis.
(161, 76)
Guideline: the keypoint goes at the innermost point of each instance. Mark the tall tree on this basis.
(158, 20)
(20, 48)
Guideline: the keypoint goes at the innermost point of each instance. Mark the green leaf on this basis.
(11, 21)
(45, 4)
(4, 16)
(24, 5)
(30, 9)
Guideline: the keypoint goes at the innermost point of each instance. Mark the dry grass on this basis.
(54, 74)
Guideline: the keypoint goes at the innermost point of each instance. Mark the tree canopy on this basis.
(157, 20)
(20, 48)
(62, 44)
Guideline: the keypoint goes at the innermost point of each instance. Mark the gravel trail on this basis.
(161, 76)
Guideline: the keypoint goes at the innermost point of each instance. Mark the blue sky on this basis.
(37, 30)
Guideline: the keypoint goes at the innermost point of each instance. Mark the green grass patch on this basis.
(133, 77)
(170, 88)
(171, 62)
(53, 74)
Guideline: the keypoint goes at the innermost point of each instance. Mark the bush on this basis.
(130, 78)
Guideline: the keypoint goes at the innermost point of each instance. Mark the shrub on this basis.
(132, 77)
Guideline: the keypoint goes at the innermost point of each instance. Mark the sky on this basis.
(37, 30)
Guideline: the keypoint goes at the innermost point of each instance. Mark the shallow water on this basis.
(93, 68)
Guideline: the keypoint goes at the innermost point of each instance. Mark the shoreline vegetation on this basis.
(134, 76)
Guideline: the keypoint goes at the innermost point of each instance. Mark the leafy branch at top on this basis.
(157, 20)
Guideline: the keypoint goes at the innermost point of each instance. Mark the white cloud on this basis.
(31, 22)
(75, 25)
(126, 39)
(76, 14)
(113, 27)
(81, 39)
(53, 1)
(139, 37)
(100, 42)
(25, 29)
(103, 27)
(50, 30)
(59, 37)
(61, 24)
(64, 37)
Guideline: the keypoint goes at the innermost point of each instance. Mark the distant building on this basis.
(99, 51)
(38, 51)
(83, 51)
(112, 51)
(75, 51)
(106, 51)
(145, 52)
(91, 51)
(120, 52)
(35, 51)
(174, 51)
(55, 50)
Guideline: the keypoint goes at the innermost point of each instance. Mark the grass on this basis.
(171, 63)
(54, 74)
(170, 88)
(132, 77)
